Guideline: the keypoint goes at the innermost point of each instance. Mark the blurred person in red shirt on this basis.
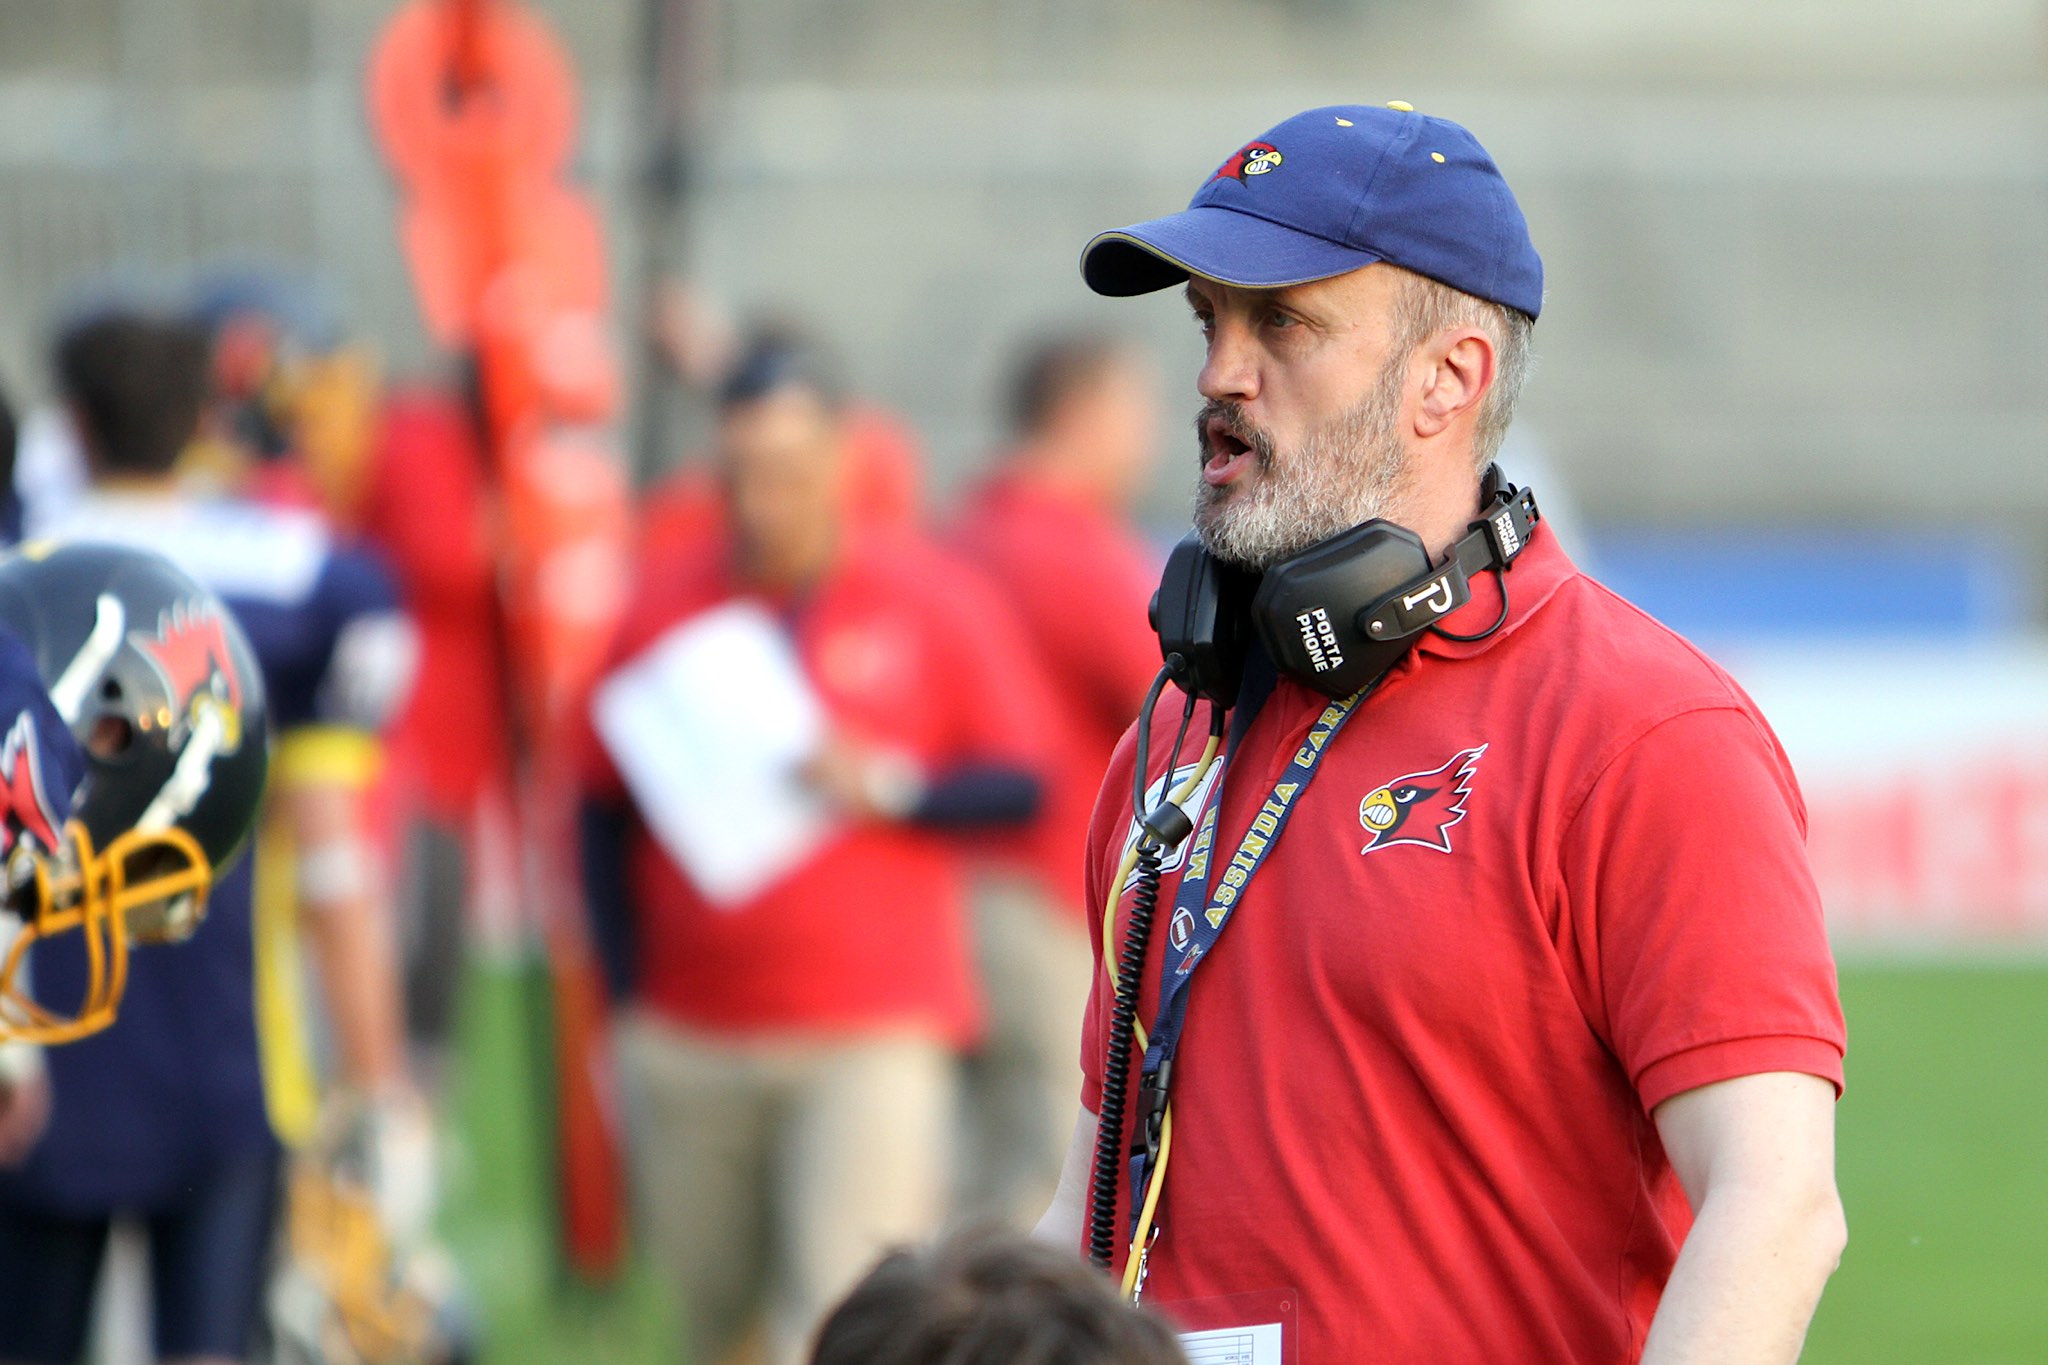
(1050, 527)
(702, 347)
(885, 479)
(703, 350)
(427, 502)
(791, 1056)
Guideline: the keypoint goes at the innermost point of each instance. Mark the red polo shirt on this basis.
(906, 650)
(1080, 582)
(885, 486)
(425, 507)
(1540, 883)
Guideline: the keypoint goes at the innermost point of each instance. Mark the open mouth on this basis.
(1229, 454)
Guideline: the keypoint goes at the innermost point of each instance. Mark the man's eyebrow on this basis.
(1194, 296)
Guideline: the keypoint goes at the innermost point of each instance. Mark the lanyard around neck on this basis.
(1200, 915)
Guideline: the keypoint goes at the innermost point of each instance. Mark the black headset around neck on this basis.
(1335, 617)
(1338, 614)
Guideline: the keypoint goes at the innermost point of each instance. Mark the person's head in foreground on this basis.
(1366, 287)
(990, 1298)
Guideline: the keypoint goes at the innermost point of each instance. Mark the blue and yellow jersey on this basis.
(208, 1054)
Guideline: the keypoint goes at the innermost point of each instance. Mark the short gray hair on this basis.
(1426, 307)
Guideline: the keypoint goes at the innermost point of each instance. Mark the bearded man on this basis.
(1515, 1035)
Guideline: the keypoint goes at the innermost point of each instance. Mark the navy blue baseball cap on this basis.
(1329, 191)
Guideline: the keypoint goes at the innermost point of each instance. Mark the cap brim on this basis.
(1219, 243)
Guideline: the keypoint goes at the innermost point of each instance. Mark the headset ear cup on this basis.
(1307, 609)
(1199, 614)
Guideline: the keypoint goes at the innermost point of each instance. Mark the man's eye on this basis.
(1281, 320)
(1206, 321)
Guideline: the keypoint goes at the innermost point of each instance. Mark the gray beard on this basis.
(1350, 470)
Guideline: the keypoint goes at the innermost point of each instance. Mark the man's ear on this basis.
(1459, 369)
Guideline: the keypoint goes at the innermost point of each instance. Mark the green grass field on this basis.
(497, 1213)
(1944, 1167)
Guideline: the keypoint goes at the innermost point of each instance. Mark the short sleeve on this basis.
(373, 652)
(1696, 925)
(1090, 620)
(1001, 701)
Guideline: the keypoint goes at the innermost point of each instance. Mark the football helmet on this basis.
(161, 690)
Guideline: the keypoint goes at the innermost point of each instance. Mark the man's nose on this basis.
(1230, 373)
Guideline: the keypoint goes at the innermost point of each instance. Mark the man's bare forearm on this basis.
(1061, 1225)
(1756, 1155)
(355, 949)
(351, 926)
(1748, 1279)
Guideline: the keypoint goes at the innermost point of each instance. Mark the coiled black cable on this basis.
(1116, 1074)
(1160, 829)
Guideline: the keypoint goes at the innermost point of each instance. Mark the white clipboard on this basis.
(709, 727)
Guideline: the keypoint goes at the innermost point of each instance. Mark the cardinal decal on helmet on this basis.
(25, 809)
(190, 650)
(1420, 808)
(1254, 158)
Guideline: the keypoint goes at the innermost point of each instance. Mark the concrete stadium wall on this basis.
(1796, 258)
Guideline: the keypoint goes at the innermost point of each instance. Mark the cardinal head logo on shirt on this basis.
(1420, 808)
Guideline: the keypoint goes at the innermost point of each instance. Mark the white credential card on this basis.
(709, 727)
(1256, 1345)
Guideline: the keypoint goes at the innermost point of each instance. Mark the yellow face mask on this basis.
(144, 887)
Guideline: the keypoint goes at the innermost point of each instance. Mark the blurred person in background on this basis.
(990, 1298)
(700, 347)
(293, 398)
(427, 505)
(1050, 527)
(175, 1113)
(884, 488)
(792, 1055)
(48, 474)
(300, 418)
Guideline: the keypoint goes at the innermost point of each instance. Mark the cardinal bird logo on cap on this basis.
(1420, 808)
(24, 809)
(189, 650)
(1254, 158)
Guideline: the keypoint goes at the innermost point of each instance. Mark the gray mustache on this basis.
(1234, 421)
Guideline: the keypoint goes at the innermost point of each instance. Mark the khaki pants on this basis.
(770, 1173)
(1023, 1087)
